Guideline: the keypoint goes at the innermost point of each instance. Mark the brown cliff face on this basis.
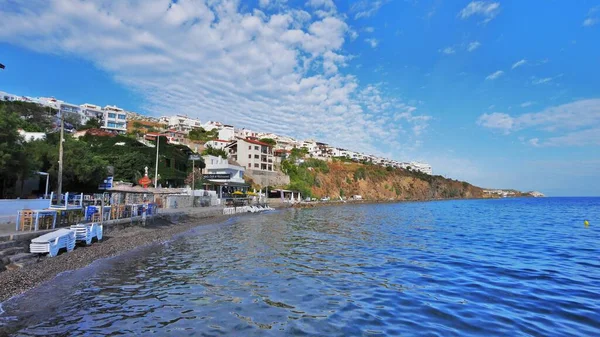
(379, 183)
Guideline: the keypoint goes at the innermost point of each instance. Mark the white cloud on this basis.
(578, 121)
(591, 18)
(495, 75)
(496, 120)
(589, 22)
(541, 80)
(486, 9)
(366, 8)
(527, 104)
(448, 50)
(210, 59)
(369, 29)
(372, 42)
(473, 46)
(322, 8)
(519, 63)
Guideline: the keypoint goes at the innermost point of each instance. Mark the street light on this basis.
(47, 177)
(156, 169)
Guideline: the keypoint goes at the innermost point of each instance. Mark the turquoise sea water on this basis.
(507, 267)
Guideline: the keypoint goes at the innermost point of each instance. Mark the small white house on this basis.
(227, 132)
(218, 144)
(31, 136)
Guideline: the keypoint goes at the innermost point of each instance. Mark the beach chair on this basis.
(45, 222)
(92, 214)
(87, 232)
(52, 242)
(26, 219)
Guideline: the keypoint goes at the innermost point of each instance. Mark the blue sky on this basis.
(503, 94)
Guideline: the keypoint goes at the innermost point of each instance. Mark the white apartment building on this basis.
(217, 144)
(423, 167)
(211, 125)
(181, 123)
(89, 111)
(115, 119)
(252, 154)
(227, 132)
(69, 109)
(245, 133)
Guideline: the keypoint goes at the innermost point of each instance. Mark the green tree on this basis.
(269, 141)
(92, 123)
(15, 163)
(211, 151)
(201, 135)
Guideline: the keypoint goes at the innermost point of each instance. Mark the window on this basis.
(122, 117)
(256, 147)
(255, 156)
(250, 147)
(112, 115)
(256, 165)
(249, 156)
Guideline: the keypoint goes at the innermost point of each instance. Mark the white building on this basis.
(72, 110)
(227, 132)
(115, 119)
(221, 166)
(211, 125)
(217, 144)
(181, 123)
(90, 111)
(245, 133)
(252, 154)
(31, 136)
(417, 166)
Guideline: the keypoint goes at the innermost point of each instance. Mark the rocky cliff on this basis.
(346, 179)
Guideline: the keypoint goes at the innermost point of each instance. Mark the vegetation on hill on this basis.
(317, 178)
(269, 141)
(202, 135)
(211, 151)
(86, 160)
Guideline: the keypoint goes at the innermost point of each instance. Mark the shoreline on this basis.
(117, 240)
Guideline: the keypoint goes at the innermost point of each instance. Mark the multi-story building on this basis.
(245, 133)
(252, 154)
(90, 111)
(115, 119)
(181, 123)
(423, 167)
(211, 125)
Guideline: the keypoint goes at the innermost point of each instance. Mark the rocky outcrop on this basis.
(379, 183)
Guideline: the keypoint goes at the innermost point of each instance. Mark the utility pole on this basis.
(193, 177)
(60, 157)
(156, 169)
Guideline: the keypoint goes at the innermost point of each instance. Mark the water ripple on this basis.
(499, 267)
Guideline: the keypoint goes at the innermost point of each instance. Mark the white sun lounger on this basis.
(52, 242)
(86, 232)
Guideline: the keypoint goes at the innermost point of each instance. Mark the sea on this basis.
(505, 267)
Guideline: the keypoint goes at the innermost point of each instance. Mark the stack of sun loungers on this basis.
(52, 242)
(86, 232)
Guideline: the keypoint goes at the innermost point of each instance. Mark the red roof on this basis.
(256, 142)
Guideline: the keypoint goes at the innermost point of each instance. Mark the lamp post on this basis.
(60, 157)
(156, 169)
(47, 177)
